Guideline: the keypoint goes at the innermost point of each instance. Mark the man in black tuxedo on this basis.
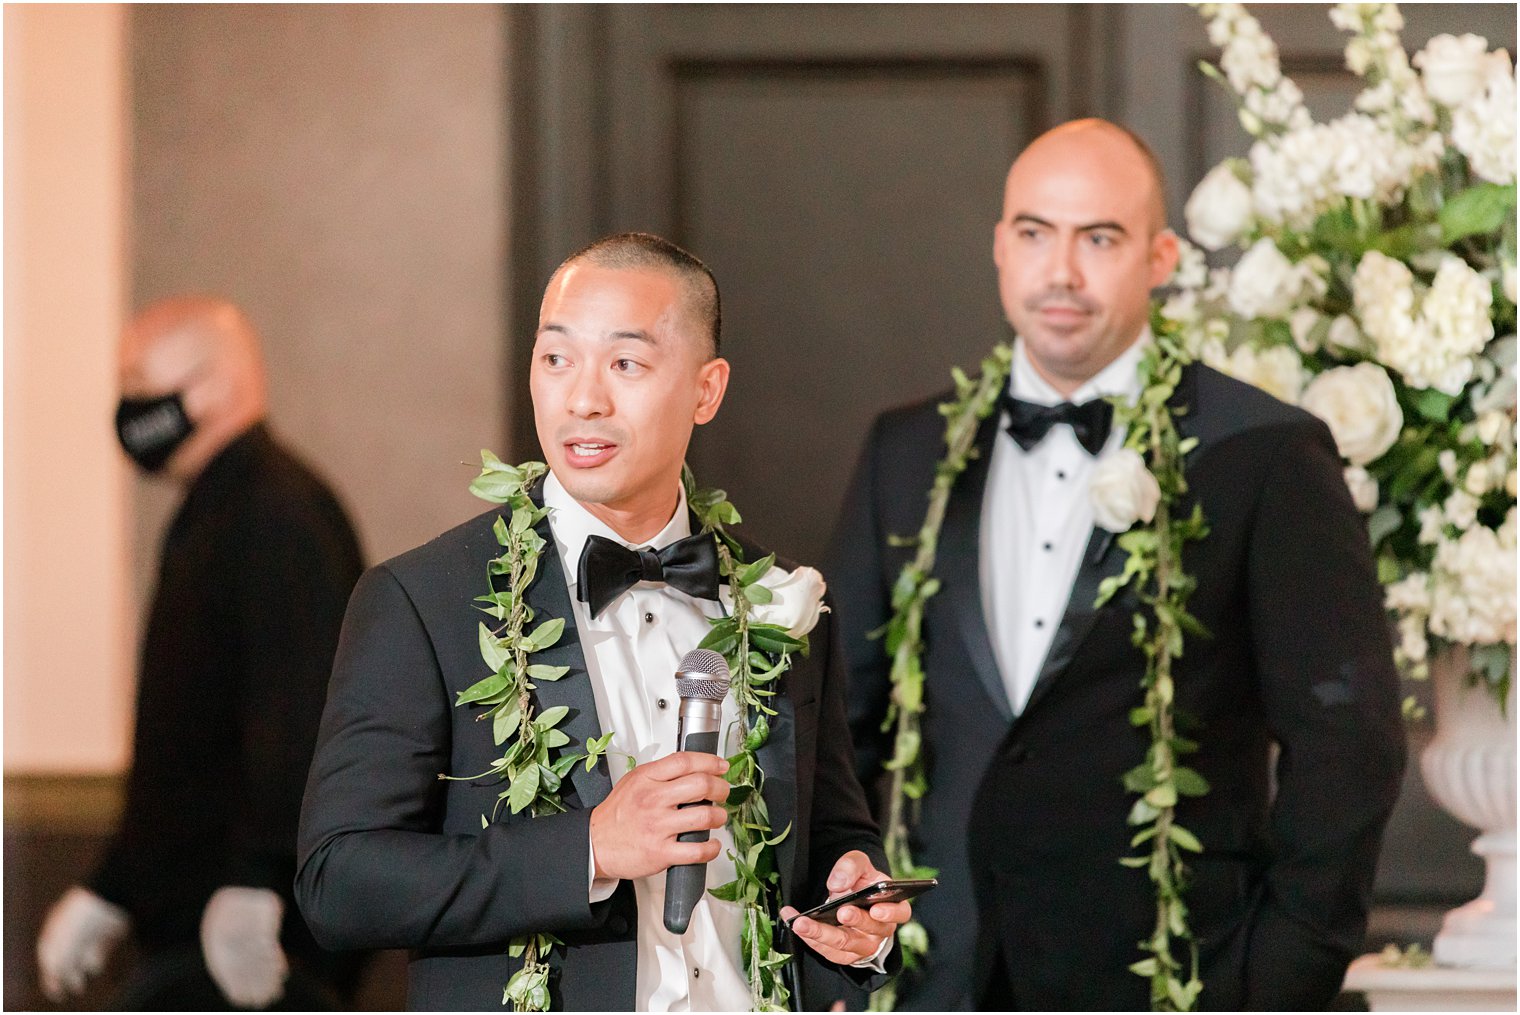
(625, 364)
(1029, 688)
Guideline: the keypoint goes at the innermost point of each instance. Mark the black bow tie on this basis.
(608, 569)
(1028, 423)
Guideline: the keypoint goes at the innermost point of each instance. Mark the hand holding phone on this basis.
(889, 890)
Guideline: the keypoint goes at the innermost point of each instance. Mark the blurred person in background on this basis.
(255, 573)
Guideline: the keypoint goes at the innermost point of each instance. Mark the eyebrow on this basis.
(636, 335)
(1090, 227)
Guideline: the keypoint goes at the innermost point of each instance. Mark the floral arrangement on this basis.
(769, 612)
(1376, 289)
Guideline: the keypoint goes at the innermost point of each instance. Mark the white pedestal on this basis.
(1434, 988)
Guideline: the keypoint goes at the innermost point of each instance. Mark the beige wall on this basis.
(69, 631)
(340, 171)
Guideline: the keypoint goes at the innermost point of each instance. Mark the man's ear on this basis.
(712, 379)
(1165, 250)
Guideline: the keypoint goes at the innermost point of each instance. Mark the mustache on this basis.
(1063, 298)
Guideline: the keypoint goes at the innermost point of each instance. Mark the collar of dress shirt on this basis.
(572, 524)
(1121, 377)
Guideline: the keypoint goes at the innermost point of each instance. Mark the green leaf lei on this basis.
(1154, 568)
(757, 655)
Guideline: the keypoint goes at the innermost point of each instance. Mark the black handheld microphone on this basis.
(702, 683)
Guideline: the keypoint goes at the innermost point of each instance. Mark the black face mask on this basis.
(152, 429)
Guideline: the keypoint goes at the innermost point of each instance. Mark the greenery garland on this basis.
(757, 655)
(1154, 568)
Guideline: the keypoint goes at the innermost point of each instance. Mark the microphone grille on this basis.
(702, 674)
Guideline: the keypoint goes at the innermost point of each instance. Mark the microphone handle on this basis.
(685, 883)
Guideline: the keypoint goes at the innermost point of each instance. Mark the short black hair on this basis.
(633, 251)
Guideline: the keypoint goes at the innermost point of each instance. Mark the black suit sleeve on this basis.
(376, 869)
(1331, 697)
(841, 820)
(291, 577)
(855, 574)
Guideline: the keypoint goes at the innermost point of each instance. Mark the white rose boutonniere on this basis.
(796, 599)
(1123, 491)
(1360, 407)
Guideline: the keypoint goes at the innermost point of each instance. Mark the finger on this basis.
(677, 853)
(692, 788)
(674, 766)
(895, 913)
(857, 919)
(822, 935)
(848, 870)
(692, 819)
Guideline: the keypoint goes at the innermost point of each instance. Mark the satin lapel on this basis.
(959, 561)
(550, 597)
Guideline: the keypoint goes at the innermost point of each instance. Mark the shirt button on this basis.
(660, 703)
(696, 974)
(1048, 547)
(1039, 623)
(649, 618)
(1060, 473)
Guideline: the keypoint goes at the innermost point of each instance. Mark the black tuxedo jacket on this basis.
(392, 857)
(1025, 817)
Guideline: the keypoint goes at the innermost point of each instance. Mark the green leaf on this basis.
(550, 717)
(505, 724)
(555, 738)
(1434, 405)
(1384, 522)
(769, 638)
(754, 572)
(1185, 839)
(524, 789)
(727, 893)
(1145, 967)
(721, 640)
(494, 684)
(1477, 210)
(550, 673)
(758, 595)
(491, 649)
(546, 634)
(1189, 782)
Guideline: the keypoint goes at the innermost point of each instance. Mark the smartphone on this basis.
(865, 898)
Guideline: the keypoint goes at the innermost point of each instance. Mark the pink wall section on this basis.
(69, 620)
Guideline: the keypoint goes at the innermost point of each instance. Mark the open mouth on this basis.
(584, 454)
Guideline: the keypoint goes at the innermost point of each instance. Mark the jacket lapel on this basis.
(550, 597)
(1100, 560)
(959, 555)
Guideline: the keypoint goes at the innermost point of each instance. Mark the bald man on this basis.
(256, 570)
(1029, 688)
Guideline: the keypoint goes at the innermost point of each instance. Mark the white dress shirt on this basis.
(632, 650)
(1037, 519)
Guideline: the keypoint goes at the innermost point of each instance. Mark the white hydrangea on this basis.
(1473, 579)
(1249, 60)
(1304, 172)
(1434, 348)
(1460, 510)
(1483, 127)
(1266, 284)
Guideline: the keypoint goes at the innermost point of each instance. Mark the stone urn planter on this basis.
(1469, 769)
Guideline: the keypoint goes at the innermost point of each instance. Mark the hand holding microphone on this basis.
(635, 830)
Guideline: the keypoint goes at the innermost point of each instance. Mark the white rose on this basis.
(1264, 283)
(1452, 67)
(796, 600)
(1344, 334)
(1123, 491)
(1360, 407)
(1460, 509)
(1302, 323)
(1364, 489)
(1219, 209)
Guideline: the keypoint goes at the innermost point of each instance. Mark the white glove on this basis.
(77, 937)
(240, 937)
